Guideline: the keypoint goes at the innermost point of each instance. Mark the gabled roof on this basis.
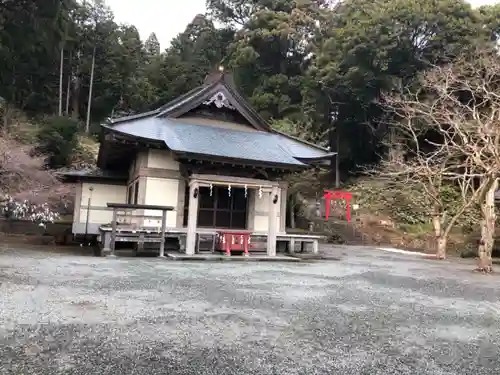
(265, 146)
(222, 84)
(199, 140)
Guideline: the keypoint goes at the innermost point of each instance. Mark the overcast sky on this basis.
(166, 19)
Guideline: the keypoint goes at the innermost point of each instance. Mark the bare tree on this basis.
(470, 90)
(426, 174)
(449, 131)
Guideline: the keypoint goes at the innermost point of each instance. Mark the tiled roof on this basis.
(185, 137)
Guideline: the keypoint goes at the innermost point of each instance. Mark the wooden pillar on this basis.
(163, 226)
(273, 227)
(180, 203)
(192, 218)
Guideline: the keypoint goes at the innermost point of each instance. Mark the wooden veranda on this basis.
(128, 226)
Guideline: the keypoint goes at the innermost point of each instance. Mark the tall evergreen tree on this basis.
(152, 46)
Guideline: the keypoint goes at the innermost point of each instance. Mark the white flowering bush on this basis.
(24, 210)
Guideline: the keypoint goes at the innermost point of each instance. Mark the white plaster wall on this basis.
(261, 224)
(261, 212)
(262, 204)
(161, 192)
(100, 197)
(162, 159)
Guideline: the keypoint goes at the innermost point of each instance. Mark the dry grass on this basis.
(87, 151)
(24, 177)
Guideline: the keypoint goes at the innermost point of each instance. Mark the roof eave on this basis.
(326, 149)
(133, 117)
(128, 135)
(105, 144)
(320, 163)
(178, 105)
(190, 93)
(325, 157)
(68, 177)
(227, 160)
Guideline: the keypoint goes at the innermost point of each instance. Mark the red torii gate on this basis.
(329, 195)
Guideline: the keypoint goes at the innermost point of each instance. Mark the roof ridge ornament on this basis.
(220, 101)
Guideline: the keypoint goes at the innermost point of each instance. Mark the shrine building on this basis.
(207, 159)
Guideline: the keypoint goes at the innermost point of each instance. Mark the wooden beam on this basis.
(139, 206)
(232, 180)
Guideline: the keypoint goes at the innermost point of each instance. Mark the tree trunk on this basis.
(61, 67)
(487, 241)
(89, 104)
(7, 115)
(291, 211)
(68, 88)
(440, 237)
(396, 153)
(441, 243)
(76, 89)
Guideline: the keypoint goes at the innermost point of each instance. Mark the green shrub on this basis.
(407, 204)
(450, 195)
(57, 139)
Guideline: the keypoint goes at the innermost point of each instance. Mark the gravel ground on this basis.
(371, 313)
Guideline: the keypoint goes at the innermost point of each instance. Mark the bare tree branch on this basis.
(447, 134)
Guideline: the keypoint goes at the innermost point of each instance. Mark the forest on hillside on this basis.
(315, 66)
(327, 71)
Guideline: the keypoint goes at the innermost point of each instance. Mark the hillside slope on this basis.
(384, 216)
(24, 176)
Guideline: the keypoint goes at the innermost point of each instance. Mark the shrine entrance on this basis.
(220, 207)
(222, 203)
